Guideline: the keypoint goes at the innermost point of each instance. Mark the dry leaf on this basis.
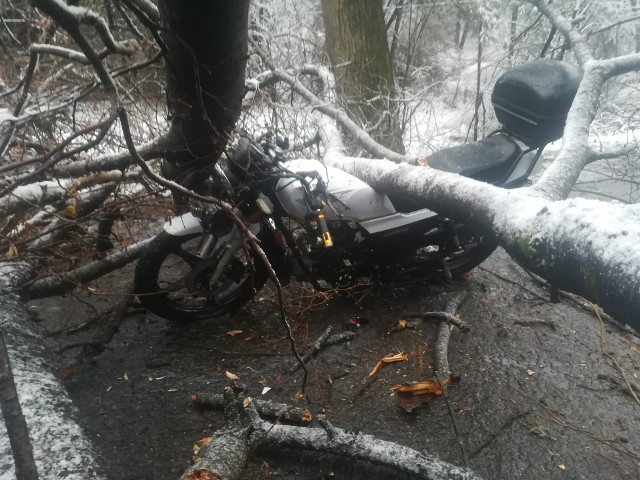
(203, 441)
(264, 468)
(402, 324)
(234, 332)
(201, 474)
(485, 301)
(12, 253)
(125, 376)
(390, 358)
(562, 467)
(411, 402)
(70, 211)
(231, 376)
(109, 388)
(422, 387)
(194, 398)
(531, 373)
(307, 416)
(298, 396)
(265, 390)
(246, 402)
(463, 411)
(398, 357)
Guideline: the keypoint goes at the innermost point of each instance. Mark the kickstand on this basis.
(447, 271)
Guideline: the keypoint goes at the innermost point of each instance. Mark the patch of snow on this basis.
(6, 116)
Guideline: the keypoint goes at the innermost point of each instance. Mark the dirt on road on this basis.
(534, 395)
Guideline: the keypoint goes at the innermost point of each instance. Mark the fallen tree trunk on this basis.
(224, 457)
(583, 246)
(358, 446)
(60, 447)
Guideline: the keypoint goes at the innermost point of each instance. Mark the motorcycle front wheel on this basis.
(173, 278)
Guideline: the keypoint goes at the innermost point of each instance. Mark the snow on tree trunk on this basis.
(582, 246)
(60, 447)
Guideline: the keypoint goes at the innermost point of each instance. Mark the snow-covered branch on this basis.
(121, 160)
(577, 40)
(45, 193)
(362, 137)
(558, 180)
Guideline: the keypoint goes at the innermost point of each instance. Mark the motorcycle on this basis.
(321, 225)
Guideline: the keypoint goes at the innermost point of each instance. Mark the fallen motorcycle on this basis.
(324, 226)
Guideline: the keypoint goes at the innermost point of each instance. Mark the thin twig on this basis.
(315, 348)
(442, 317)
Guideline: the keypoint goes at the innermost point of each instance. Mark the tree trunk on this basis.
(513, 27)
(206, 55)
(636, 27)
(358, 49)
(60, 448)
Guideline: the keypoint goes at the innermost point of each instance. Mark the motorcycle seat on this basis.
(487, 160)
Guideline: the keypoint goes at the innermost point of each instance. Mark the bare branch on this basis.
(595, 155)
(339, 116)
(576, 40)
(51, 285)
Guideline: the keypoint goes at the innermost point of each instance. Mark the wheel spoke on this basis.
(191, 258)
(174, 286)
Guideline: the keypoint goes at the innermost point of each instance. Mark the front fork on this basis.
(229, 243)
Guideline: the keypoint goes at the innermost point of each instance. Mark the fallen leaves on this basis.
(307, 417)
(12, 253)
(422, 387)
(202, 475)
(390, 358)
(412, 395)
(199, 444)
(233, 333)
(231, 376)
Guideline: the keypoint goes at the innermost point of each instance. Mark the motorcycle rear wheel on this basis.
(476, 249)
(173, 281)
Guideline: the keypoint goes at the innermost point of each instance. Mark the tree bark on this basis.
(356, 41)
(60, 448)
(14, 419)
(206, 42)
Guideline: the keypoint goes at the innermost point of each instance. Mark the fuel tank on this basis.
(349, 196)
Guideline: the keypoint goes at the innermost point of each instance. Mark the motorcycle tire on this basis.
(172, 281)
